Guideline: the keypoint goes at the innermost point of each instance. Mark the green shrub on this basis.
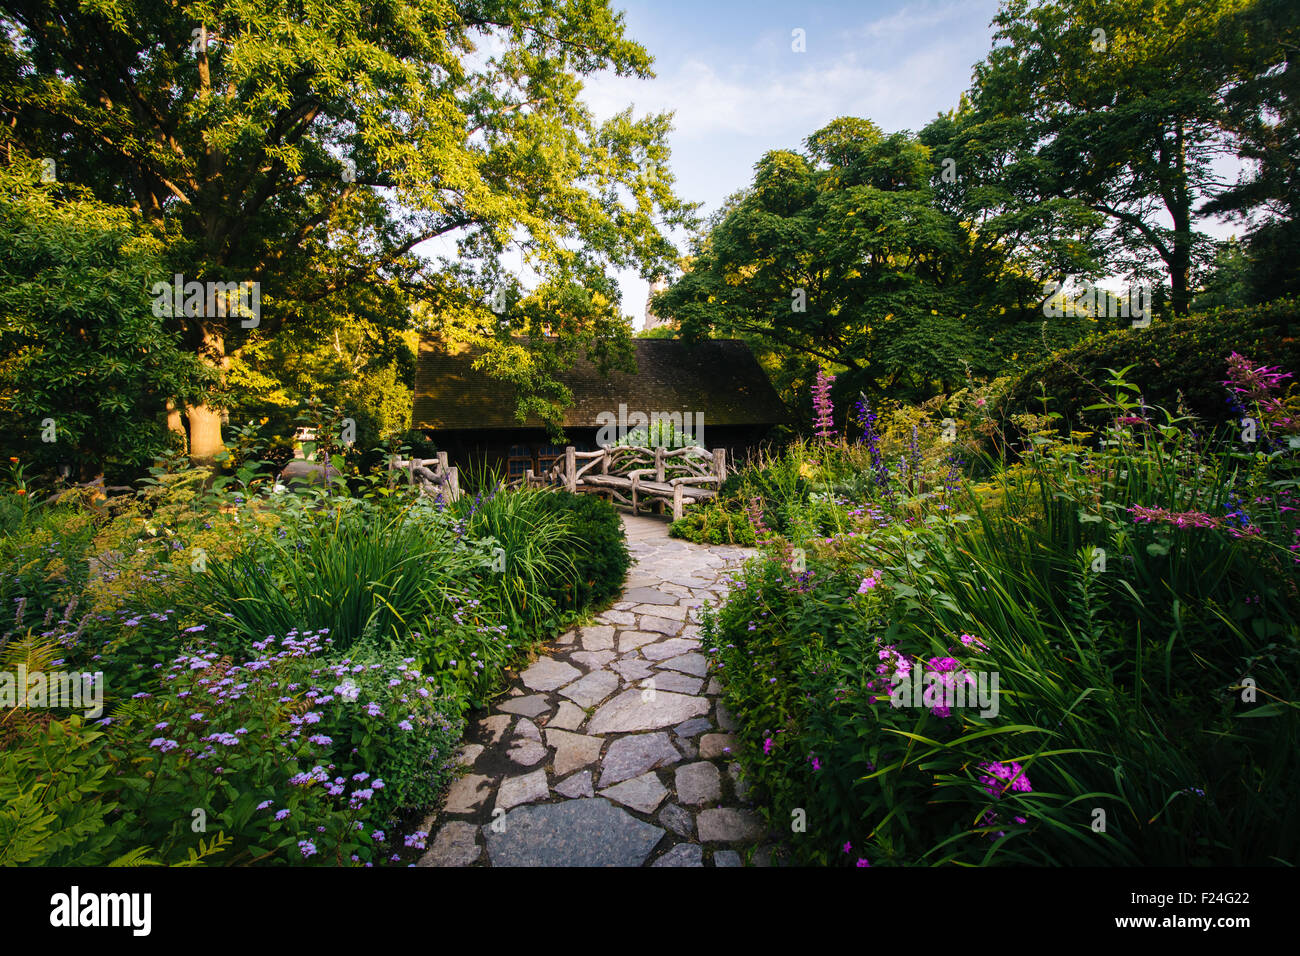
(286, 753)
(714, 524)
(600, 555)
(354, 569)
(1184, 357)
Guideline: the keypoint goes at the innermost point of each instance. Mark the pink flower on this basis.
(848, 847)
(870, 581)
(767, 746)
(824, 426)
(863, 861)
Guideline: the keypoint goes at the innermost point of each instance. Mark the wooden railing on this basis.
(441, 479)
(629, 474)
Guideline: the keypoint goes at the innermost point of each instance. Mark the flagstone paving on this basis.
(609, 749)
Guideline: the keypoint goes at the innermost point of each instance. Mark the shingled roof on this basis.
(719, 377)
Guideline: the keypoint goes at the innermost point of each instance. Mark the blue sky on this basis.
(728, 72)
(737, 89)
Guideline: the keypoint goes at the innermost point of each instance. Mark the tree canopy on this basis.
(311, 147)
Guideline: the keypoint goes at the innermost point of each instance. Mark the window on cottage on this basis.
(547, 455)
(519, 460)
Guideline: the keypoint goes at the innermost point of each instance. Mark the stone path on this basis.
(613, 747)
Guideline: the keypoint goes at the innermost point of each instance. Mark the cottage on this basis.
(718, 383)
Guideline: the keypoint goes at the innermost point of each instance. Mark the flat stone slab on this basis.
(494, 727)
(467, 793)
(592, 660)
(728, 825)
(683, 854)
(632, 669)
(467, 754)
(677, 820)
(695, 664)
(699, 783)
(661, 625)
(527, 730)
(569, 716)
(526, 752)
(630, 640)
(649, 596)
(669, 648)
(617, 618)
(673, 613)
(546, 673)
(582, 832)
(628, 712)
(455, 845)
(572, 750)
(597, 637)
(643, 793)
(592, 689)
(689, 728)
(632, 756)
(726, 858)
(579, 785)
(675, 682)
(526, 789)
(718, 745)
(533, 706)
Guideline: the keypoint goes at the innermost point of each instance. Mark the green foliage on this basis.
(1176, 364)
(376, 130)
(1121, 596)
(281, 748)
(53, 806)
(85, 366)
(851, 253)
(357, 570)
(714, 524)
(600, 555)
(1050, 67)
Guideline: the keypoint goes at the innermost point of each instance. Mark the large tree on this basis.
(1123, 105)
(849, 255)
(312, 146)
(1264, 116)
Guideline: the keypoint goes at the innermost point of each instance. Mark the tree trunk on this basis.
(174, 421)
(205, 421)
(1181, 211)
(205, 433)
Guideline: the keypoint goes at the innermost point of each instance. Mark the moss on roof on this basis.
(719, 377)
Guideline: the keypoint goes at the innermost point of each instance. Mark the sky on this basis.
(728, 73)
(737, 87)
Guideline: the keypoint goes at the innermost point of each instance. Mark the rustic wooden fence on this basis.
(638, 476)
(440, 479)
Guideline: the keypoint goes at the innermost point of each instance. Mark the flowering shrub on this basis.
(292, 758)
(1134, 597)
